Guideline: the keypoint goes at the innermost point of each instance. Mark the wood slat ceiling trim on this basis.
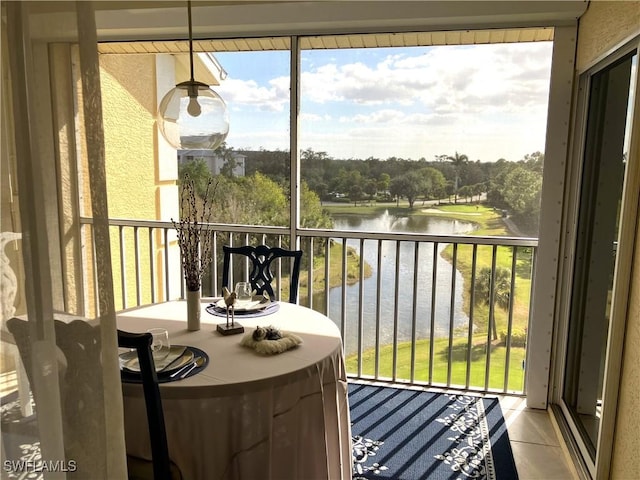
(410, 39)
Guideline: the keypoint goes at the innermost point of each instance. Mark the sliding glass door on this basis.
(600, 274)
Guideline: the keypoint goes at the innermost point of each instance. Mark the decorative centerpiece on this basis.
(270, 341)
(230, 328)
(195, 243)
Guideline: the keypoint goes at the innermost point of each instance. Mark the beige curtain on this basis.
(52, 126)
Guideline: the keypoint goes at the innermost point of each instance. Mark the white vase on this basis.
(193, 310)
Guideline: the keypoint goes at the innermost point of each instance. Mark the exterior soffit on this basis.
(210, 71)
(404, 39)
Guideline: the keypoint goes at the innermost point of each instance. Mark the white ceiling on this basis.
(167, 21)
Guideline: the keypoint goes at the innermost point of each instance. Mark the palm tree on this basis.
(501, 292)
(458, 160)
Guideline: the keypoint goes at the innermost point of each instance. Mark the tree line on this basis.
(513, 187)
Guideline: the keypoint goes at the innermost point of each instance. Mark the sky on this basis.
(485, 101)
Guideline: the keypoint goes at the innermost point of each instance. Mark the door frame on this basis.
(622, 272)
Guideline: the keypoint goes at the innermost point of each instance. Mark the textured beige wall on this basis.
(128, 97)
(627, 432)
(602, 28)
(129, 104)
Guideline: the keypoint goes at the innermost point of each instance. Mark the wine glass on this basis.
(243, 291)
(160, 345)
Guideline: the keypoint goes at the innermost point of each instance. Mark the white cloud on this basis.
(444, 79)
(248, 93)
(312, 117)
(487, 101)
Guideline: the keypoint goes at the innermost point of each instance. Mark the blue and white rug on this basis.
(20, 443)
(405, 434)
(397, 434)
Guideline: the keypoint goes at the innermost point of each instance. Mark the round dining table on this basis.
(249, 415)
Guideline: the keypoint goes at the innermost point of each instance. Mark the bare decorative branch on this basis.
(194, 238)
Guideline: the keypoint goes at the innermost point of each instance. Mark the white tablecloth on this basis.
(248, 416)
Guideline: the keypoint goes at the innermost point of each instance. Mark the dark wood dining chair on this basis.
(261, 275)
(83, 418)
(81, 389)
(160, 467)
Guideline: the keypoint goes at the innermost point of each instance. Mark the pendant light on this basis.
(192, 116)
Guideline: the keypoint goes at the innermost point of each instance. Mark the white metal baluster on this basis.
(452, 307)
(378, 309)
(472, 303)
(414, 312)
(512, 290)
(432, 331)
(492, 293)
(395, 314)
(361, 307)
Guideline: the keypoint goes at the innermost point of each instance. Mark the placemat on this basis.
(164, 377)
(268, 310)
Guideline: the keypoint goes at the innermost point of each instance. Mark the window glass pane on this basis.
(401, 136)
(611, 96)
(254, 83)
(252, 166)
(251, 169)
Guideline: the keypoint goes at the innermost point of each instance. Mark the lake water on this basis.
(398, 320)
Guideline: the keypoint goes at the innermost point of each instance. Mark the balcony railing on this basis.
(430, 310)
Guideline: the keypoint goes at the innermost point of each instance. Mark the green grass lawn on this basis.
(440, 362)
(360, 209)
(335, 270)
(489, 223)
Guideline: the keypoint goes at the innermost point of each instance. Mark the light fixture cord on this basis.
(190, 39)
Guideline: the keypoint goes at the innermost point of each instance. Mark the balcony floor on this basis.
(538, 450)
(537, 447)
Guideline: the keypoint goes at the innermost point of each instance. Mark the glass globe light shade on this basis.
(192, 116)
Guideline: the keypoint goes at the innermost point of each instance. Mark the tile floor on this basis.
(7, 382)
(537, 448)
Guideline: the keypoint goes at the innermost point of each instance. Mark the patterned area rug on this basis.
(398, 434)
(19, 440)
(405, 434)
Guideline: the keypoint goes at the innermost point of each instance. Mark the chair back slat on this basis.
(141, 342)
(261, 274)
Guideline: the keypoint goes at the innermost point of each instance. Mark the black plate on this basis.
(128, 376)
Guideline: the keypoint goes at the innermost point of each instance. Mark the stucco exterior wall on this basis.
(136, 187)
(603, 27)
(128, 97)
